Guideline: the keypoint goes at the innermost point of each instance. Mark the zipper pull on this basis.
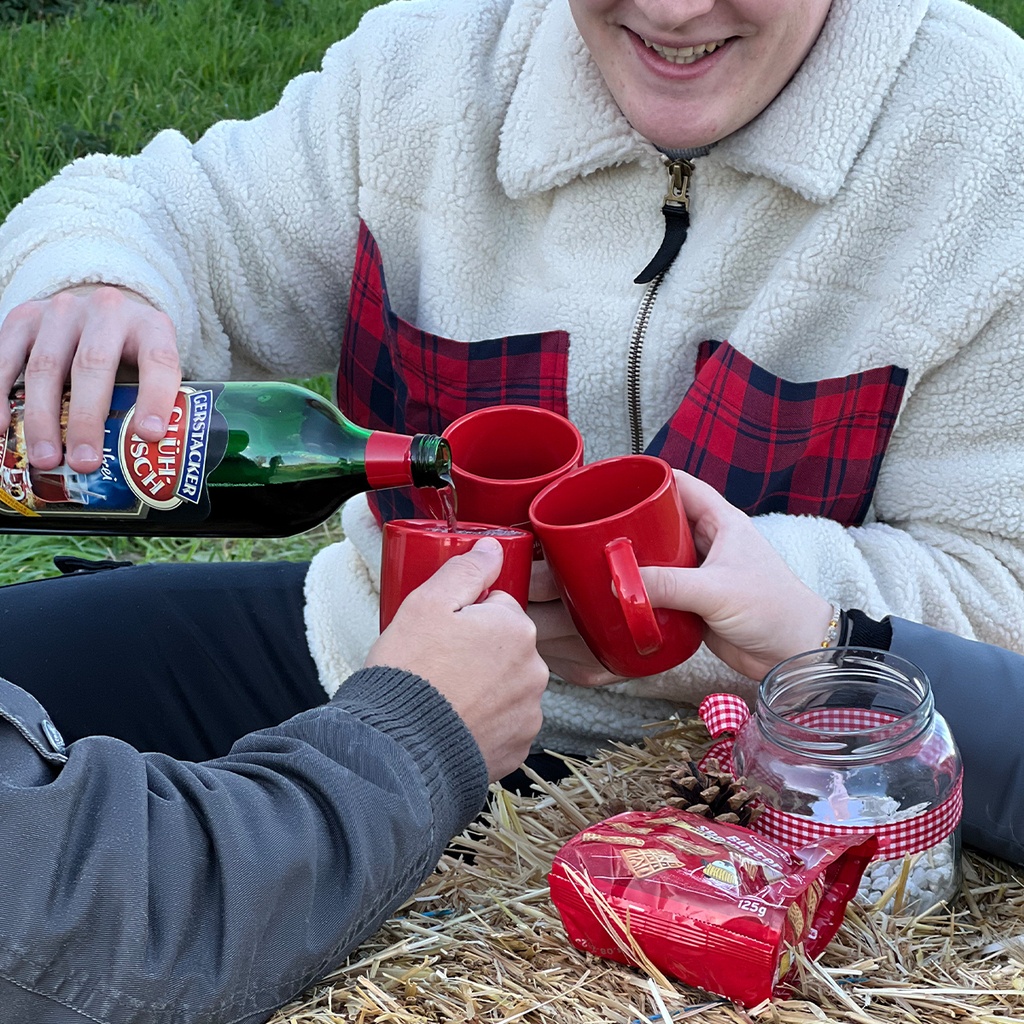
(676, 209)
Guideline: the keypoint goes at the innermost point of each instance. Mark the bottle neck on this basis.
(844, 704)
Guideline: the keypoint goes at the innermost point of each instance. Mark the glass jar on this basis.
(848, 740)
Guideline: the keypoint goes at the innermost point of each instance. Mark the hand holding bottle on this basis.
(87, 332)
(481, 655)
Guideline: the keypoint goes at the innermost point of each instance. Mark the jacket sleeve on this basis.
(144, 890)
(979, 690)
(248, 234)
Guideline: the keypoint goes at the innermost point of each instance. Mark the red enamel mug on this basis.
(597, 525)
(503, 456)
(414, 549)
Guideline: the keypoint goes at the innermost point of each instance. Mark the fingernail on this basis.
(487, 542)
(85, 453)
(154, 424)
(42, 451)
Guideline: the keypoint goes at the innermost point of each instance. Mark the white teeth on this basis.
(684, 54)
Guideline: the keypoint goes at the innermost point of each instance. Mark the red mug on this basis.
(597, 525)
(503, 456)
(414, 549)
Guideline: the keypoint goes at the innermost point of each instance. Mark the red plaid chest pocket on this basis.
(772, 445)
(393, 376)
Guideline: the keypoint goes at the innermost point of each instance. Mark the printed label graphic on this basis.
(136, 476)
(167, 472)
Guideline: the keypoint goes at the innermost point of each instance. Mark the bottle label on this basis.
(135, 477)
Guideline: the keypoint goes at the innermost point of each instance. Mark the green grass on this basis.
(106, 78)
(35, 10)
(110, 77)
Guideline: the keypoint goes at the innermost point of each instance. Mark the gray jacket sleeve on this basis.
(979, 690)
(142, 890)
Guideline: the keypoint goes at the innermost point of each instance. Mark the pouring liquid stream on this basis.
(449, 503)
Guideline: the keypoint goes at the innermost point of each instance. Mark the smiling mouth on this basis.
(684, 54)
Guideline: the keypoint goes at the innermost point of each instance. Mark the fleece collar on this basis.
(562, 122)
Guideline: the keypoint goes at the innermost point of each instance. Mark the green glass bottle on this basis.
(240, 459)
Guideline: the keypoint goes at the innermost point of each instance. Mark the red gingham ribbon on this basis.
(842, 719)
(725, 713)
(722, 713)
(912, 835)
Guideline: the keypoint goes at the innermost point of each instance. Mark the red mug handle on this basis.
(632, 595)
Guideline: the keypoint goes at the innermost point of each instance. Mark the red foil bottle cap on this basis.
(388, 459)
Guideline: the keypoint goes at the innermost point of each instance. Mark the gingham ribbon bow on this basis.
(724, 714)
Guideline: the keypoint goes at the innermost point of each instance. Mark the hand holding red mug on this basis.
(597, 526)
(756, 611)
(479, 651)
(413, 550)
(558, 640)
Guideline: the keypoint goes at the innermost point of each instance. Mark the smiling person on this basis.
(686, 75)
(776, 242)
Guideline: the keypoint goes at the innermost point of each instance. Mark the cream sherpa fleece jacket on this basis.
(872, 215)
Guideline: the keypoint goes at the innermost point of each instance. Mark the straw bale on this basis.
(481, 942)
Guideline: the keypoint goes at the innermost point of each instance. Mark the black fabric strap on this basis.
(74, 564)
(677, 224)
(867, 632)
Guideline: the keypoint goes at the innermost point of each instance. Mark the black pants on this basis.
(178, 658)
(183, 659)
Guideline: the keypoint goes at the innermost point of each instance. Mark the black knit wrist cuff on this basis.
(862, 631)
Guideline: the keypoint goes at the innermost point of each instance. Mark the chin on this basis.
(683, 142)
(678, 140)
(675, 136)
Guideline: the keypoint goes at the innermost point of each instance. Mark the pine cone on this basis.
(714, 793)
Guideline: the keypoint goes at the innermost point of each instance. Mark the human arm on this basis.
(482, 655)
(189, 883)
(143, 889)
(979, 690)
(154, 890)
(242, 243)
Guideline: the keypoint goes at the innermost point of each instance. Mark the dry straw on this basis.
(481, 941)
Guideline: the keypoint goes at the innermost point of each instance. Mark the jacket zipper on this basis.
(676, 199)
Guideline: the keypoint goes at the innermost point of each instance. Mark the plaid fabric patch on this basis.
(771, 445)
(393, 376)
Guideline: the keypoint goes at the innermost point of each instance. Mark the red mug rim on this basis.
(600, 466)
(461, 528)
(548, 414)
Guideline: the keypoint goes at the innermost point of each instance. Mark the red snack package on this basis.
(717, 906)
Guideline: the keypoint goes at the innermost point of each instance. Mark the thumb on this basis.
(676, 588)
(462, 579)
